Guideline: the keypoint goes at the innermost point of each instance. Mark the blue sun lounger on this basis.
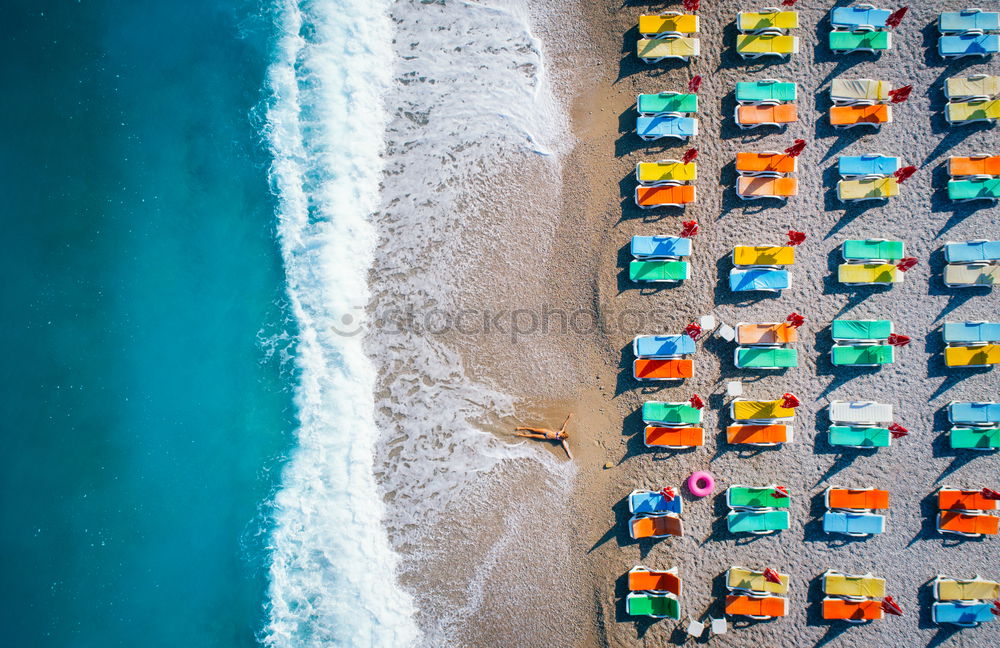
(972, 251)
(749, 279)
(962, 613)
(971, 332)
(959, 45)
(659, 126)
(660, 247)
(644, 501)
(662, 346)
(965, 413)
(867, 165)
(853, 524)
(957, 22)
(858, 17)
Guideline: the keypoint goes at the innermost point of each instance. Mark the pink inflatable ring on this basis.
(701, 483)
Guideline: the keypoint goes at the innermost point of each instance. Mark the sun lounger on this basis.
(974, 438)
(666, 102)
(863, 355)
(763, 255)
(664, 196)
(668, 22)
(756, 497)
(767, 20)
(957, 275)
(970, 525)
(971, 332)
(658, 606)
(966, 614)
(654, 50)
(974, 413)
(660, 247)
(752, 116)
(872, 250)
(860, 437)
(763, 279)
(965, 589)
(955, 499)
(670, 413)
(860, 166)
(846, 92)
(644, 579)
(766, 163)
(757, 187)
(868, 412)
(985, 355)
(958, 45)
(645, 501)
(766, 91)
(957, 22)
(656, 369)
(658, 271)
(857, 499)
(756, 607)
(851, 116)
(975, 110)
(751, 410)
(673, 438)
(983, 86)
(662, 346)
(838, 609)
(844, 329)
(856, 586)
(765, 358)
(974, 165)
(860, 41)
(666, 171)
(748, 580)
(759, 435)
(655, 526)
(660, 126)
(773, 333)
(757, 522)
(867, 189)
(853, 524)
(866, 274)
(859, 17)
(753, 46)
(974, 189)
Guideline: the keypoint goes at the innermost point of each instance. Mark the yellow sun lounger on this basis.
(653, 50)
(748, 410)
(970, 589)
(769, 19)
(668, 22)
(664, 171)
(965, 112)
(867, 189)
(741, 578)
(758, 45)
(957, 275)
(748, 255)
(976, 85)
(836, 583)
(982, 355)
(858, 91)
(754, 187)
(857, 274)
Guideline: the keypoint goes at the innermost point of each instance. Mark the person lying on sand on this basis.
(545, 434)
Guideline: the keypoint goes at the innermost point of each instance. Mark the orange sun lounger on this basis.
(767, 162)
(782, 333)
(641, 579)
(968, 524)
(857, 611)
(862, 498)
(655, 526)
(683, 437)
(966, 500)
(847, 116)
(974, 165)
(759, 434)
(662, 369)
(664, 196)
(767, 607)
(749, 187)
(751, 116)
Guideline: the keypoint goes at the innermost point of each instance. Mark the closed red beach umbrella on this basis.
(896, 17)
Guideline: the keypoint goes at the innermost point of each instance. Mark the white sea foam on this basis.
(332, 573)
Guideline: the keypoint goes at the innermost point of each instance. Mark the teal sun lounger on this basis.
(658, 271)
(872, 250)
(769, 90)
(861, 41)
(757, 522)
(660, 606)
(862, 355)
(666, 102)
(850, 436)
(667, 414)
(867, 330)
(974, 438)
(766, 358)
(975, 189)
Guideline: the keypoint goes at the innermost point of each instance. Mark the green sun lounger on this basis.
(766, 358)
(666, 271)
(755, 497)
(974, 438)
(869, 41)
(843, 329)
(978, 189)
(860, 437)
(770, 90)
(666, 102)
(862, 355)
(873, 249)
(670, 413)
(759, 522)
(653, 605)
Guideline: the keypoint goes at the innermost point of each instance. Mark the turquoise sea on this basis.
(145, 411)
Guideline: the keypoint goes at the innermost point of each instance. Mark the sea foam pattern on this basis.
(332, 573)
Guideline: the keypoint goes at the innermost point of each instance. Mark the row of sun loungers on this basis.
(655, 514)
(653, 593)
(870, 262)
(860, 28)
(663, 357)
(668, 35)
(964, 602)
(971, 344)
(860, 424)
(974, 426)
(972, 98)
(757, 510)
(766, 346)
(659, 259)
(861, 343)
(760, 423)
(855, 598)
(765, 103)
(972, 32)
(867, 177)
(766, 33)
(965, 513)
(666, 114)
(673, 426)
(851, 511)
(766, 175)
(761, 268)
(975, 177)
(859, 102)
